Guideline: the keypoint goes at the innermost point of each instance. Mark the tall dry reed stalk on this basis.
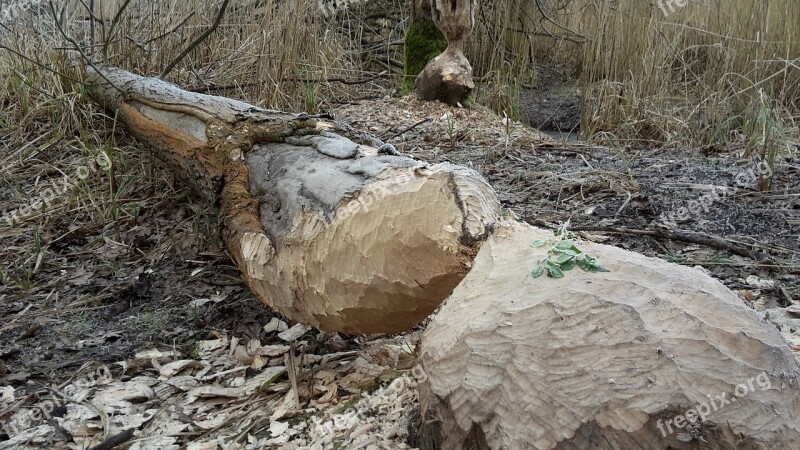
(696, 75)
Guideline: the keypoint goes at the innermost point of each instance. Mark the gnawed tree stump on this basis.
(650, 355)
(328, 226)
(447, 77)
(422, 42)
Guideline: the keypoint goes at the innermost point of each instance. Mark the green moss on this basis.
(423, 42)
(471, 98)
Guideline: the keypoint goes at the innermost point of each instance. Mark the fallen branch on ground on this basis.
(690, 237)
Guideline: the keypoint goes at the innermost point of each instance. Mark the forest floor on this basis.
(553, 105)
(141, 328)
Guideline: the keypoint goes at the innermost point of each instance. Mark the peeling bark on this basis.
(329, 226)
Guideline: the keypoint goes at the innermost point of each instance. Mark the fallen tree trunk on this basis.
(650, 355)
(329, 226)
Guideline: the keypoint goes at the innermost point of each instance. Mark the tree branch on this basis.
(197, 41)
(76, 45)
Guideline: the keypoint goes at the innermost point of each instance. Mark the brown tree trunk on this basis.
(326, 224)
(447, 77)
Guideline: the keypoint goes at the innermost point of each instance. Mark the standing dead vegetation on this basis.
(123, 260)
(708, 73)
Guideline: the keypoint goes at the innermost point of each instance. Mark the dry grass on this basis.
(715, 73)
(277, 54)
(701, 75)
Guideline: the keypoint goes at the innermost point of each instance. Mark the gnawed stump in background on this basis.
(448, 76)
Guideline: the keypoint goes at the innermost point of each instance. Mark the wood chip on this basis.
(293, 333)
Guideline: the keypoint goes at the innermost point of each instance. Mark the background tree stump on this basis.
(448, 76)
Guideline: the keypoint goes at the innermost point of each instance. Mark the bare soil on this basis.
(553, 105)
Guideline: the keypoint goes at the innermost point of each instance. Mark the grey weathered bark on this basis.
(447, 77)
(326, 227)
(650, 355)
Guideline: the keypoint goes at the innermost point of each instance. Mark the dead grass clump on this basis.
(500, 93)
(656, 72)
(692, 77)
(277, 54)
(68, 166)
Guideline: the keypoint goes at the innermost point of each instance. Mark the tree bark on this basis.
(650, 355)
(448, 76)
(423, 42)
(329, 226)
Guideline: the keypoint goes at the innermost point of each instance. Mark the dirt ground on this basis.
(80, 293)
(684, 197)
(553, 105)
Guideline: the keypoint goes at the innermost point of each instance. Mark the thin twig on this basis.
(547, 17)
(116, 18)
(25, 81)
(693, 238)
(291, 370)
(407, 129)
(109, 35)
(338, 80)
(90, 9)
(43, 66)
(224, 87)
(197, 41)
(78, 47)
(174, 29)
(114, 441)
(227, 87)
(92, 19)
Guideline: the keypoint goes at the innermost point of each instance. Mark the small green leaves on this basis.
(566, 245)
(564, 256)
(553, 269)
(591, 264)
(568, 265)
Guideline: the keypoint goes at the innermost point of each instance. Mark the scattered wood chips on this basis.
(231, 394)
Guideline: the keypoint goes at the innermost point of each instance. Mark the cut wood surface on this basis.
(448, 76)
(329, 226)
(650, 355)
